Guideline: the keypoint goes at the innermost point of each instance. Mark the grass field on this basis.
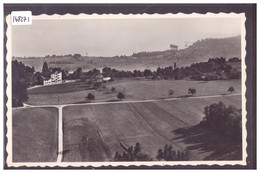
(152, 124)
(35, 135)
(134, 90)
(60, 88)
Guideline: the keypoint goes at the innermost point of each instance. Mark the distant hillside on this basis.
(198, 52)
(209, 48)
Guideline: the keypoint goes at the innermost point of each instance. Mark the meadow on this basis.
(35, 136)
(134, 90)
(152, 124)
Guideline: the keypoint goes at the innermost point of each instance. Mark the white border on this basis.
(154, 163)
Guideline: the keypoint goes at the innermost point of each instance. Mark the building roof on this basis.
(106, 78)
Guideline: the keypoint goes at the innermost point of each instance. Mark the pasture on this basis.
(35, 134)
(134, 90)
(152, 124)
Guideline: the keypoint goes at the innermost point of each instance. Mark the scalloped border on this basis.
(125, 164)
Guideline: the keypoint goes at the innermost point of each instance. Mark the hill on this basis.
(200, 51)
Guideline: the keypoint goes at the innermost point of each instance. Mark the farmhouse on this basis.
(55, 78)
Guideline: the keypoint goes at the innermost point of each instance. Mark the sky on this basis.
(111, 37)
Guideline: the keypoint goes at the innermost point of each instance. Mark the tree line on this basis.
(168, 154)
(213, 69)
(134, 153)
(22, 77)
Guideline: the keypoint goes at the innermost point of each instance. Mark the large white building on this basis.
(55, 78)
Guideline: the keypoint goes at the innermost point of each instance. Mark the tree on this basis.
(116, 157)
(147, 72)
(159, 154)
(231, 89)
(22, 77)
(97, 84)
(76, 56)
(137, 148)
(132, 154)
(120, 95)
(171, 92)
(78, 73)
(192, 91)
(165, 151)
(106, 71)
(44, 67)
(90, 97)
(222, 119)
(113, 89)
(37, 79)
(175, 65)
(46, 72)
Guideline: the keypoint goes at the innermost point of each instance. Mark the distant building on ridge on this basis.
(173, 47)
(56, 78)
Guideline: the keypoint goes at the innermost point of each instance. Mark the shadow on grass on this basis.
(169, 97)
(217, 145)
(65, 152)
(109, 92)
(185, 96)
(115, 100)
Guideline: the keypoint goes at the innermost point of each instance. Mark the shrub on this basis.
(120, 95)
(113, 89)
(231, 89)
(192, 91)
(90, 97)
(97, 84)
(170, 92)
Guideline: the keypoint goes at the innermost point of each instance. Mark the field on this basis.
(35, 135)
(97, 130)
(134, 90)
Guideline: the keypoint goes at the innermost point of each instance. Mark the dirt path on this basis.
(60, 107)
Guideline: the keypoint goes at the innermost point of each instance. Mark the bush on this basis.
(170, 92)
(120, 95)
(192, 91)
(97, 84)
(231, 89)
(90, 97)
(113, 89)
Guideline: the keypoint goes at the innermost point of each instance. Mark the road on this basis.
(60, 135)
(60, 107)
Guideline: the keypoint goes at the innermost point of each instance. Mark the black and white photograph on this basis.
(126, 89)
